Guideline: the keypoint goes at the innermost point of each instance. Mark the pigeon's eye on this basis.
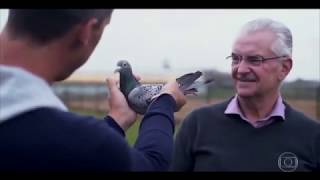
(125, 65)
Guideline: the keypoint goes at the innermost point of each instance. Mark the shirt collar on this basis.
(278, 110)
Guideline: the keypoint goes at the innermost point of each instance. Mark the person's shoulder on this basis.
(58, 116)
(64, 133)
(73, 128)
(294, 113)
(64, 122)
(299, 118)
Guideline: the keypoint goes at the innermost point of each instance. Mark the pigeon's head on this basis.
(123, 66)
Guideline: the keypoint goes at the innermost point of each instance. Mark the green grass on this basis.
(132, 132)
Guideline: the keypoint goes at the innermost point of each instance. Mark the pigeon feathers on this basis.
(139, 96)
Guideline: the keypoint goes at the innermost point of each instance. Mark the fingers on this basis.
(172, 88)
(112, 84)
(172, 84)
(138, 78)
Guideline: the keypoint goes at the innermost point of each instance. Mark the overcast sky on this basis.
(193, 39)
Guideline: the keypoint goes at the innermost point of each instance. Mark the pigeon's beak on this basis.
(119, 67)
(119, 63)
(116, 70)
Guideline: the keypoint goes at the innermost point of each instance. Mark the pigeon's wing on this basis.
(140, 97)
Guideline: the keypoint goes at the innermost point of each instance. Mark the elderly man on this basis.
(256, 130)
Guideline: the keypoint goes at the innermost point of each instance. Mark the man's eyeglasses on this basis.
(255, 60)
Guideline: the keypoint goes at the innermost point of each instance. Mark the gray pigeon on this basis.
(139, 96)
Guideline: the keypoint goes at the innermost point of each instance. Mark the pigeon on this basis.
(139, 96)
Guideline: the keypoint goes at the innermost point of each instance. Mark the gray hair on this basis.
(282, 46)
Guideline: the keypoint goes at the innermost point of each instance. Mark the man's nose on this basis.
(243, 67)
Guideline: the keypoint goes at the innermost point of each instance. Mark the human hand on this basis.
(172, 88)
(119, 108)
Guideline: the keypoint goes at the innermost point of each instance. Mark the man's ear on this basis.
(87, 30)
(285, 68)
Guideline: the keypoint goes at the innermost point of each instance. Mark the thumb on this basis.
(112, 84)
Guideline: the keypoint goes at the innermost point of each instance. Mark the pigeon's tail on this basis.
(187, 79)
(188, 83)
(193, 88)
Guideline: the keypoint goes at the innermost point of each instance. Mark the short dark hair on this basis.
(44, 25)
